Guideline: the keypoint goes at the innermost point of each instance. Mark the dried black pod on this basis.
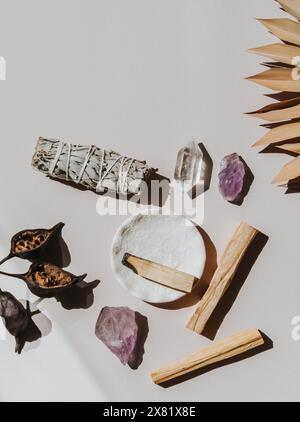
(15, 316)
(47, 280)
(28, 244)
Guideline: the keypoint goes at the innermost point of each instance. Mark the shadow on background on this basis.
(273, 125)
(144, 198)
(283, 96)
(293, 186)
(39, 326)
(143, 331)
(78, 296)
(275, 65)
(275, 148)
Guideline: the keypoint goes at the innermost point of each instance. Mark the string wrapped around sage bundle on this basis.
(91, 167)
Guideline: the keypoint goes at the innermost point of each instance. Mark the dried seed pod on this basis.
(28, 244)
(15, 316)
(47, 280)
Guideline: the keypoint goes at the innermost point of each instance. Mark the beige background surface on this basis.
(141, 77)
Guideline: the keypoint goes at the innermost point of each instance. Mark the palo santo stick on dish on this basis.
(284, 29)
(282, 53)
(289, 172)
(291, 6)
(224, 274)
(160, 274)
(283, 110)
(216, 353)
(279, 134)
(295, 148)
(278, 79)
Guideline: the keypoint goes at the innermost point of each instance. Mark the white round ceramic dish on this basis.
(168, 240)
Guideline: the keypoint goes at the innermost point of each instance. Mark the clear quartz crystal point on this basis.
(189, 166)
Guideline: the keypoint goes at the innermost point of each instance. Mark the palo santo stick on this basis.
(295, 148)
(160, 274)
(279, 134)
(278, 79)
(283, 110)
(280, 52)
(221, 281)
(289, 172)
(284, 29)
(216, 353)
(291, 6)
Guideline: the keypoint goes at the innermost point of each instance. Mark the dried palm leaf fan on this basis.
(282, 53)
(283, 75)
(292, 7)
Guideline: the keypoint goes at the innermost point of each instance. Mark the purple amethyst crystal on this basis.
(231, 177)
(118, 330)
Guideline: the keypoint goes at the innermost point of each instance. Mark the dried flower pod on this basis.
(15, 316)
(28, 244)
(47, 280)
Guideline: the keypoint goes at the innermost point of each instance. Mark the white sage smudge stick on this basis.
(230, 261)
(91, 167)
(218, 352)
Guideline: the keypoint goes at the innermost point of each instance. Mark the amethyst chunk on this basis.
(232, 177)
(118, 329)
